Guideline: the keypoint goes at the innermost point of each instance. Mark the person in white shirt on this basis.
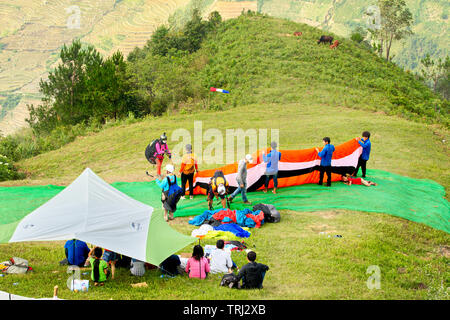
(220, 259)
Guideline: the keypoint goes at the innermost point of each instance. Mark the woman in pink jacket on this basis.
(161, 149)
(197, 266)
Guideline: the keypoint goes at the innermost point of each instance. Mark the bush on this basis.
(8, 171)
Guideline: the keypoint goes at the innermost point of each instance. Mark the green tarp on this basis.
(417, 200)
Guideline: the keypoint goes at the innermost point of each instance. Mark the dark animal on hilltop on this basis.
(325, 39)
(335, 44)
(298, 33)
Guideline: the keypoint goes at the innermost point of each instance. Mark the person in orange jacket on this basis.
(188, 168)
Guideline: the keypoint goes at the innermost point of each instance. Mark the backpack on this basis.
(218, 178)
(174, 194)
(270, 213)
(150, 151)
(16, 265)
(230, 280)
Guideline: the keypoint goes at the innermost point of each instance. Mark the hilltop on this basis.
(276, 81)
(34, 31)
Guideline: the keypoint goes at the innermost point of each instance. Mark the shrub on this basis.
(8, 171)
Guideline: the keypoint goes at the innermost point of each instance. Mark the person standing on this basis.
(325, 162)
(366, 146)
(161, 149)
(272, 167)
(171, 192)
(241, 179)
(188, 168)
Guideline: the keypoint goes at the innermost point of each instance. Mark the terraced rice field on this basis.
(34, 31)
(229, 10)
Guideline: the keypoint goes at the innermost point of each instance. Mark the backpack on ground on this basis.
(16, 265)
(231, 281)
(150, 151)
(270, 213)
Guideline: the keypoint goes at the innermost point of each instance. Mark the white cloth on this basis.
(220, 261)
(183, 262)
(203, 230)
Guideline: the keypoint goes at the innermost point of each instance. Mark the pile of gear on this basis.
(15, 265)
(230, 224)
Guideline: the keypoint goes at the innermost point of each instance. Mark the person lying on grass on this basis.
(100, 271)
(349, 180)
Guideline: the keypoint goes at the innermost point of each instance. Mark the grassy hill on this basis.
(307, 91)
(34, 31)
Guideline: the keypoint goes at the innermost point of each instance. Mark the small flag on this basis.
(219, 90)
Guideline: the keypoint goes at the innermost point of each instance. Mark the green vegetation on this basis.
(395, 24)
(437, 73)
(8, 171)
(304, 264)
(305, 90)
(9, 103)
(254, 56)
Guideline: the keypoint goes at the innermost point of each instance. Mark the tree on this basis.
(83, 86)
(438, 73)
(63, 91)
(395, 24)
(195, 31)
(443, 83)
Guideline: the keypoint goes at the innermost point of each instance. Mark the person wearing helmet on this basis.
(218, 188)
(168, 199)
(161, 149)
(241, 179)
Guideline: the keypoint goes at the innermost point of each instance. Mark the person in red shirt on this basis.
(349, 180)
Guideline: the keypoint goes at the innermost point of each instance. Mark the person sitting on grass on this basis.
(100, 271)
(252, 274)
(349, 180)
(220, 259)
(76, 252)
(111, 258)
(170, 266)
(198, 266)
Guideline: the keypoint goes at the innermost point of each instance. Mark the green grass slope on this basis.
(306, 91)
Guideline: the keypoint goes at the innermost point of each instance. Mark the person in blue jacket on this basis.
(76, 252)
(164, 184)
(272, 160)
(366, 145)
(325, 162)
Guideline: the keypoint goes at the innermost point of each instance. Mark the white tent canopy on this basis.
(91, 210)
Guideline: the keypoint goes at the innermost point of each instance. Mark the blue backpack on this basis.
(174, 193)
